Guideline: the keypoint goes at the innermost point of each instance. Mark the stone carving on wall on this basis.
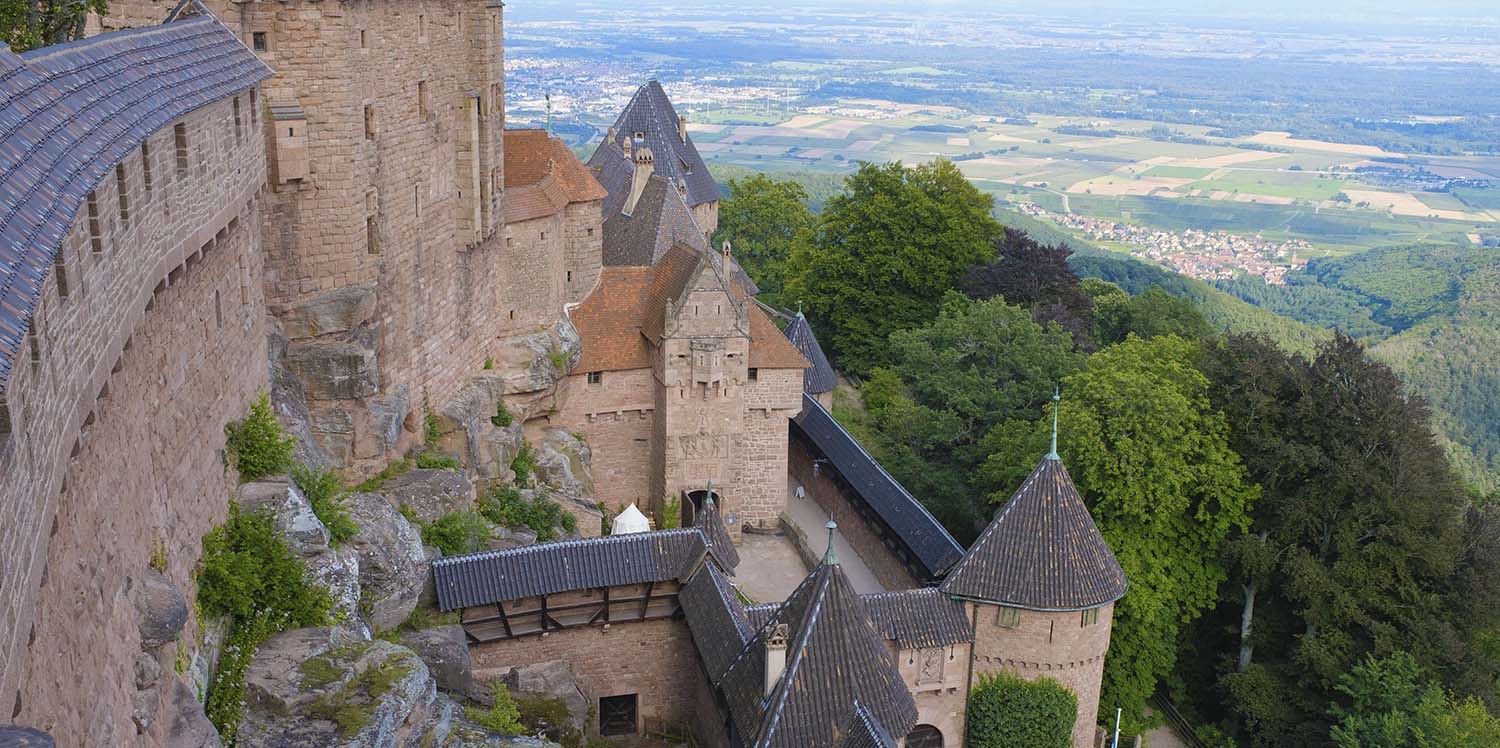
(930, 666)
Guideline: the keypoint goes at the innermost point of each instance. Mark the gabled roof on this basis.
(819, 378)
(676, 270)
(542, 177)
(865, 731)
(651, 113)
(609, 321)
(834, 659)
(720, 547)
(919, 532)
(660, 219)
(914, 619)
(548, 568)
(1041, 552)
(769, 349)
(70, 113)
(715, 618)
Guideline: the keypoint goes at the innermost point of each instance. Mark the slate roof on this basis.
(835, 659)
(819, 378)
(660, 220)
(542, 177)
(715, 618)
(923, 536)
(71, 112)
(1041, 552)
(865, 731)
(650, 112)
(547, 568)
(720, 547)
(919, 619)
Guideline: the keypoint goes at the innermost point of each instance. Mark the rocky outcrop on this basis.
(25, 737)
(290, 401)
(430, 494)
(189, 727)
(563, 462)
(336, 311)
(334, 369)
(337, 570)
(292, 514)
(531, 365)
(160, 609)
(393, 566)
(445, 651)
(468, 432)
(553, 679)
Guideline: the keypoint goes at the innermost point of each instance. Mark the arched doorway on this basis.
(692, 505)
(924, 736)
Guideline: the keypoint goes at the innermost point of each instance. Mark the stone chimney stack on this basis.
(682, 128)
(628, 145)
(644, 166)
(775, 655)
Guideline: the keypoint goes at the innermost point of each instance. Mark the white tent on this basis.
(629, 521)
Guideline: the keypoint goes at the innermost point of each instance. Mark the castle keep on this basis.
(319, 200)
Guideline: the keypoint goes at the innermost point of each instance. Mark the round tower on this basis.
(1040, 584)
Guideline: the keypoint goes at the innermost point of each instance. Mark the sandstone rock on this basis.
(334, 369)
(448, 728)
(445, 650)
(290, 402)
(161, 610)
(311, 687)
(339, 310)
(430, 494)
(392, 563)
(293, 514)
(552, 679)
(189, 727)
(505, 538)
(563, 462)
(206, 659)
(25, 737)
(466, 429)
(147, 700)
(337, 570)
(387, 415)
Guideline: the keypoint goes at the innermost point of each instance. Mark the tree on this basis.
(1148, 314)
(1037, 277)
(1390, 703)
(759, 219)
(1007, 711)
(883, 253)
(28, 24)
(1151, 456)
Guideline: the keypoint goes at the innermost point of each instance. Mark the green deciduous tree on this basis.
(1037, 277)
(28, 24)
(1151, 456)
(1006, 711)
(1392, 704)
(1147, 314)
(881, 255)
(759, 219)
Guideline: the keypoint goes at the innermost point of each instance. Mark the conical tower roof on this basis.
(651, 114)
(819, 377)
(834, 660)
(1042, 551)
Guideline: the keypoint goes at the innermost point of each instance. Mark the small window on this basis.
(364, 39)
(591, 232)
(369, 122)
(33, 343)
(596, 377)
(180, 136)
(254, 107)
(122, 184)
(60, 272)
(617, 715)
(372, 235)
(544, 236)
(421, 25)
(239, 132)
(258, 41)
(754, 374)
(1089, 617)
(218, 310)
(424, 102)
(146, 168)
(96, 235)
(570, 276)
(1008, 617)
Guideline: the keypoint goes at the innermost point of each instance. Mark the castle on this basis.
(210, 199)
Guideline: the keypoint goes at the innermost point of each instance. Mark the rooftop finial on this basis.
(708, 503)
(799, 307)
(1056, 401)
(829, 557)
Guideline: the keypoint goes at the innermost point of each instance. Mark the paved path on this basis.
(769, 568)
(813, 520)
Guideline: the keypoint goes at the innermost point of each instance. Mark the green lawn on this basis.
(1296, 185)
(1177, 172)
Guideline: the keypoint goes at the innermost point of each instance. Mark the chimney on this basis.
(644, 165)
(775, 655)
(682, 128)
(627, 145)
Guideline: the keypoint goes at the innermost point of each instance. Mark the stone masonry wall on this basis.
(655, 659)
(531, 289)
(616, 418)
(759, 490)
(819, 487)
(585, 254)
(1050, 645)
(938, 681)
(117, 435)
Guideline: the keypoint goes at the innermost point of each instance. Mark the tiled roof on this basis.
(676, 269)
(919, 619)
(70, 113)
(922, 535)
(547, 568)
(715, 618)
(769, 349)
(609, 321)
(819, 377)
(711, 521)
(865, 731)
(834, 658)
(1041, 552)
(650, 112)
(659, 221)
(542, 176)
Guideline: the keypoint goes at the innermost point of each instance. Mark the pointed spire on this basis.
(799, 307)
(829, 556)
(1056, 401)
(708, 501)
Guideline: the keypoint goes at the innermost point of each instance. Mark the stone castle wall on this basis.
(938, 681)
(761, 452)
(585, 252)
(616, 417)
(1048, 645)
(531, 291)
(117, 440)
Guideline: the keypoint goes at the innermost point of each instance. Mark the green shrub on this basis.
(410, 515)
(540, 714)
(1006, 711)
(524, 464)
(671, 513)
(502, 417)
(257, 444)
(503, 718)
(225, 702)
(504, 506)
(457, 533)
(436, 461)
(158, 555)
(392, 470)
(559, 360)
(489, 363)
(431, 431)
(325, 491)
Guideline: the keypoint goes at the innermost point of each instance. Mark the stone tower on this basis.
(1041, 585)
